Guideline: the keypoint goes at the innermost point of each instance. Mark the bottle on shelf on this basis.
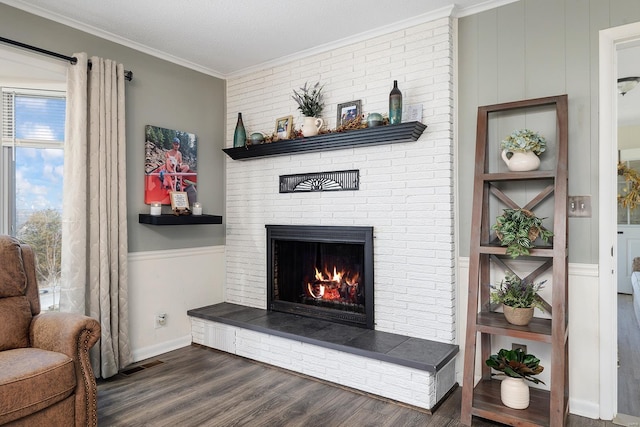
(395, 105)
(240, 135)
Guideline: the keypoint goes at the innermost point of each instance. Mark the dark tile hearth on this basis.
(415, 353)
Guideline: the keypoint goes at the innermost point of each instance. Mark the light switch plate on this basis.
(579, 207)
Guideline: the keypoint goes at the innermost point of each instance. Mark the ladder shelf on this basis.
(494, 189)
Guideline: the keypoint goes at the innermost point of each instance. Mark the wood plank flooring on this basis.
(628, 358)
(198, 386)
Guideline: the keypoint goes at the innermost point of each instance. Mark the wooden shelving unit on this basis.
(389, 134)
(547, 408)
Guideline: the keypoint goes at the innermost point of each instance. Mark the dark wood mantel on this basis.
(404, 132)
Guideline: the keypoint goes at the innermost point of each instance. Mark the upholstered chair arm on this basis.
(73, 335)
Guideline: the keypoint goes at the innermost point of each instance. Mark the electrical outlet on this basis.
(522, 346)
(160, 320)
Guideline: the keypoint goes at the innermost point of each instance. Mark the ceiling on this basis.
(227, 37)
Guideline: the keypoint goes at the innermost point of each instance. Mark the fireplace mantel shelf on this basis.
(404, 132)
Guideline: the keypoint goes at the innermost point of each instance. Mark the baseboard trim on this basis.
(160, 348)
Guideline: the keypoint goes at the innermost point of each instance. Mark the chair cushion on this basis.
(15, 318)
(32, 379)
(13, 279)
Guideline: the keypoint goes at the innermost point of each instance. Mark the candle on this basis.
(197, 208)
(156, 209)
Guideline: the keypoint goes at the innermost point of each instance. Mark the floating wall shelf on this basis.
(404, 132)
(178, 220)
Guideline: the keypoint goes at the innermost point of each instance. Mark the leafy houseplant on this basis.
(517, 293)
(310, 100)
(518, 298)
(517, 229)
(516, 364)
(524, 140)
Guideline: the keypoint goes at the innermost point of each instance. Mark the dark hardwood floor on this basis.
(198, 386)
(628, 358)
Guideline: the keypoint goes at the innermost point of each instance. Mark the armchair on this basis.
(45, 372)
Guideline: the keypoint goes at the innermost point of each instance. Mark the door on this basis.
(628, 221)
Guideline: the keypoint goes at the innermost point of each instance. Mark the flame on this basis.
(329, 285)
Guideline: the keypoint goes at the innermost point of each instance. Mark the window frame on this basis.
(8, 144)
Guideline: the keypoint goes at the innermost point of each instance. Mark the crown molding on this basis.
(482, 7)
(112, 37)
(444, 12)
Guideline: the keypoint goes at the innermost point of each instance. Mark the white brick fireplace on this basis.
(406, 189)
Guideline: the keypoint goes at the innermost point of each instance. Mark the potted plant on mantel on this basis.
(310, 103)
(518, 298)
(517, 229)
(517, 366)
(521, 149)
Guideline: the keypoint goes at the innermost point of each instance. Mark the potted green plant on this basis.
(310, 103)
(517, 366)
(521, 149)
(517, 229)
(518, 298)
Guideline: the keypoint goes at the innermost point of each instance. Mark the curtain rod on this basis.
(128, 75)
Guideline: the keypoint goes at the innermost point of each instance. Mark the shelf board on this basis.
(495, 323)
(179, 220)
(487, 404)
(518, 176)
(496, 249)
(404, 132)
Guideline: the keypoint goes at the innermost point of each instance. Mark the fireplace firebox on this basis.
(324, 272)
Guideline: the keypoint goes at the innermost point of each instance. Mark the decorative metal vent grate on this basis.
(321, 181)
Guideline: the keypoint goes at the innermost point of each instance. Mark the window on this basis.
(628, 216)
(32, 160)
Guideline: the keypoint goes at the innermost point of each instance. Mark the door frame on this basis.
(609, 40)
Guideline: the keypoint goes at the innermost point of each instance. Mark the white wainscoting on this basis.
(170, 282)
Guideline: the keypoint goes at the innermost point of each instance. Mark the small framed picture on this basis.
(283, 127)
(348, 111)
(179, 200)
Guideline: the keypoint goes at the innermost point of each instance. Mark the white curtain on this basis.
(94, 226)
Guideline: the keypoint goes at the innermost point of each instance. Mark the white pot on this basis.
(514, 393)
(311, 126)
(521, 161)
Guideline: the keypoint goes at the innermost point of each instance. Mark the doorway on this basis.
(612, 41)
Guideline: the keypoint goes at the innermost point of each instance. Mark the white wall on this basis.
(406, 189)
(170, 282)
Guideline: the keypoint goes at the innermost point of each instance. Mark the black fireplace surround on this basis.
(324, 272)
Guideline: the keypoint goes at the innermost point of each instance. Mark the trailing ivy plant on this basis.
(517, 229)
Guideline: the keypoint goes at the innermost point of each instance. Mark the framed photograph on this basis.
(170, 164)
(179, 200)
(283, 127)
(348, 111)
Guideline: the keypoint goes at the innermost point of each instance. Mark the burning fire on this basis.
(339, 286)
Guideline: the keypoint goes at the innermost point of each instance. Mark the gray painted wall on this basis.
(161, 94)
(531, 49)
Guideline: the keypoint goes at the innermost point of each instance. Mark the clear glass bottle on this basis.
(240, 135)
(395, 105)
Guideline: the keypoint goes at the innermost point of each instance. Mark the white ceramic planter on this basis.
(521, 161)
(514, 393)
